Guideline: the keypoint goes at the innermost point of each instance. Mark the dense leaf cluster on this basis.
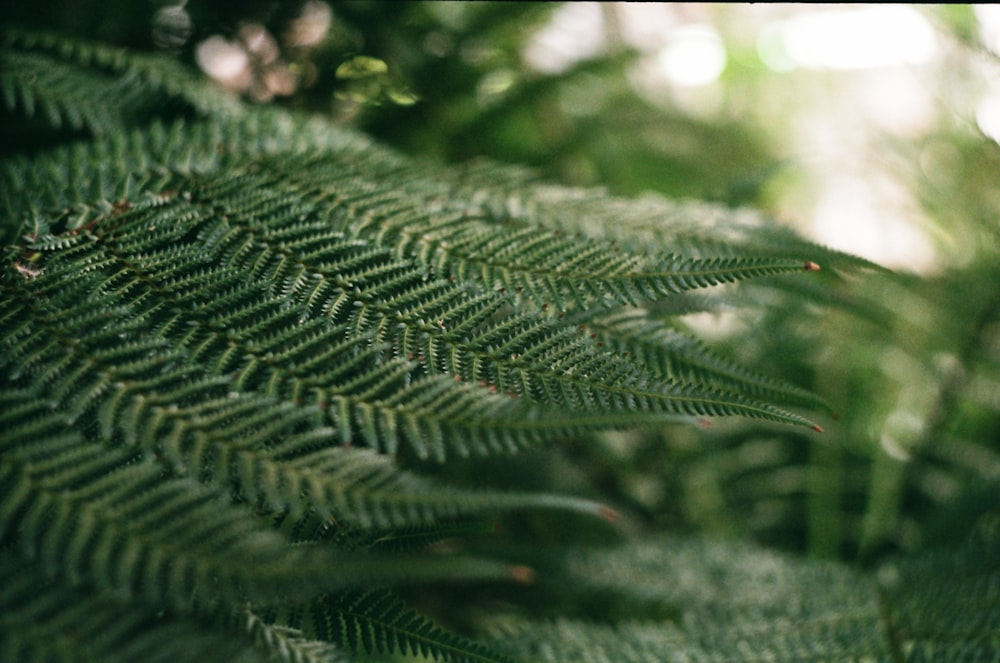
(231, 335)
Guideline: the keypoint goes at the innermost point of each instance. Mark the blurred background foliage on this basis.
(893, 161)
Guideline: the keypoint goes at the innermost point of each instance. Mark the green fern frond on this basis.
(416, 538)
(367, 490)
(445, 328)
(64, 99)
(942, 605)
(203, 320)
(694, 228)
(378, 622)
(173, 267)
(288, 645)
(674, 355)
(741, 603)
(113, 519)
(439, 229)
(567, 640)
(42, 620)
(257, 443)
(94, 86)
(637, 642)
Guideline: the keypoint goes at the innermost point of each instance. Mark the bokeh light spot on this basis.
(694, 56)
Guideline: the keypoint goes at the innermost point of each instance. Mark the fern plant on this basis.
(236, 340)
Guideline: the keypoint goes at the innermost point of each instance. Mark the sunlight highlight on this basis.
(694, 56)
(988, 17)
(988, 116)
(848, 39)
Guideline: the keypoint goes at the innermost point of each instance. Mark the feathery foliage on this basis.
(755, 605)
(234, 337)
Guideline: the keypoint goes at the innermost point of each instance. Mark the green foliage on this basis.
(244, 348)
(743, 603)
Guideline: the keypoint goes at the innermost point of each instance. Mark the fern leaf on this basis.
(288, 645)
(114, 519)
(152, 261)
(694, 228)
(674, 355)
(739, 602)
(94, 86)
(200, 316)
(544, 265)
(233, 439)
(41, 620)
(366, 490)
(942, 605)
(378, 622)
(33, 84)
